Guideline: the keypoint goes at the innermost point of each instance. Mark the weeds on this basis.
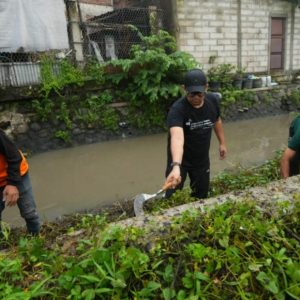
(232, 251)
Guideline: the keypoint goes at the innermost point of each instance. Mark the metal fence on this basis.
(111, 35)
(105, 37)
(18, 69)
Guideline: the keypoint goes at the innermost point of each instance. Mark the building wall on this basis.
(235, 32)
(296, 41)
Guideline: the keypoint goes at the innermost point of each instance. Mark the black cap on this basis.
(195, 81)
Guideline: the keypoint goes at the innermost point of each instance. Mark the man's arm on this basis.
(13, 159)
(287, 156)
(177, 142)
(219, 131)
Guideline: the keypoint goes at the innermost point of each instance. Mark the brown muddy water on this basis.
(90, 176)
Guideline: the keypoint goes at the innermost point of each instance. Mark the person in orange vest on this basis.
(15, 185)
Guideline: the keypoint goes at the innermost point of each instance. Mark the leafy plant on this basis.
(63, 135)
(65, 114)
(56, 75)
(295, 97)
(110, 119)
(221, 73)
(243, 178)
(43, 108)
(238, 178)
(239, 73)
(239, 97)
(148, 81)
(237, 250)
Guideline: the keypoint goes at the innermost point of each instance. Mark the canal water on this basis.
(90, 176)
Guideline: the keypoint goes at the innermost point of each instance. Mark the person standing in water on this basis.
(190, 122)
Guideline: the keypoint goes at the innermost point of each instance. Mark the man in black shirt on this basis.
(190, 122)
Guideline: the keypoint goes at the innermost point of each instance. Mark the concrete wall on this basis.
(236, 32)
(296, 41)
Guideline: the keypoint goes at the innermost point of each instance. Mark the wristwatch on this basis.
(175, 163)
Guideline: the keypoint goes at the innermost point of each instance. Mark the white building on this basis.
(259, 35)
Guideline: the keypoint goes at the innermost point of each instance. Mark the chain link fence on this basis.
(111, 35)
(105, 37)
(19, 69)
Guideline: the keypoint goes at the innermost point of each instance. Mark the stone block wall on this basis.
(236, 32)
(208, 29)
(255, 28)
(296, 42)
(33, 135)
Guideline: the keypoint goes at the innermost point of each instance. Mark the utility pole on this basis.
(75, 33)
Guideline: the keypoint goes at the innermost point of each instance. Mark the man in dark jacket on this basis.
(190, 122)
(15, 185)
(290, 160)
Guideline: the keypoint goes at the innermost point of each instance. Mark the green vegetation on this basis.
(244, 178)
(233, 95)
(232, 251)
(242, 98)
(148, 81)
(222, 73)
(295, 98)
(235, 251)
(239, 178)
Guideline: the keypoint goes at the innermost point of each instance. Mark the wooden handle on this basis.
(167, 186)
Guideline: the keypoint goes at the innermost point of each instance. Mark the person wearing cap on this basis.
(290, 160)
(190, 121)
(15, 185)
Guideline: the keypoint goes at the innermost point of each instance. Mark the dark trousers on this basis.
(295, 165)
(199, 181)
(26, 205)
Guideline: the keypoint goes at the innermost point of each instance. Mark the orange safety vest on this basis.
(3, 168)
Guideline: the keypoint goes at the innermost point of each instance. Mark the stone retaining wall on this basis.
(266, 102)
(35, 136)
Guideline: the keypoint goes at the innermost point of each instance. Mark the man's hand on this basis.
(10, 195)
(174, 178)
(223, 151)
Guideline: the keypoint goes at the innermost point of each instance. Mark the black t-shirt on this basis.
(197, 124)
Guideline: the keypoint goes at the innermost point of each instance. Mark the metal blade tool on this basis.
(140, 199)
